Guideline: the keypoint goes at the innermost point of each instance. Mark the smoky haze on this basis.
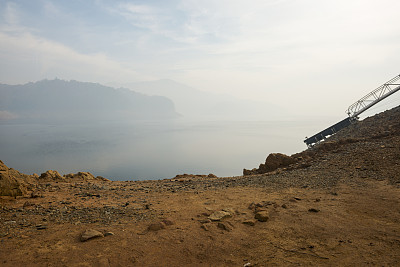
(121, 134)
(151, 89)
(309, 57)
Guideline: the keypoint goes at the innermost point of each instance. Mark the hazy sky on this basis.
(317, 56)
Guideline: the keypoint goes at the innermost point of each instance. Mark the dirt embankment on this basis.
(337, 204)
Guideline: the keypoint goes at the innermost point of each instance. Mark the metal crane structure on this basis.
(366, 102)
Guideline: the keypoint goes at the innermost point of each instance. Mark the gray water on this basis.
(147, 150)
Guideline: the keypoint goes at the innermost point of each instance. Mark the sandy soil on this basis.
(345, 225)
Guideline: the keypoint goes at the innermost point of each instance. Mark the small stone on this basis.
(284, 206)
(225, 226)
(205, 221)
(41, 227)
(156, 226)
(219, 215)
(230, 211)
(27, 204)
(250, 222)
(313, 210)
(204, 227)
(168, 222)
(108, 233)
(36, 194)
(89, 234)
(252, 206)
(262, 216)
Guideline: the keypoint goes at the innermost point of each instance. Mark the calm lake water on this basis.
(148, 150)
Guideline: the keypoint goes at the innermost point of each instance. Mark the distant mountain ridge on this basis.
(197, 104)
(74, 100)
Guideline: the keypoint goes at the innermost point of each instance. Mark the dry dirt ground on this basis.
(342, 208)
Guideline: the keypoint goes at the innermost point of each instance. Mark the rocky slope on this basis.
(337, 204)
(385, 125)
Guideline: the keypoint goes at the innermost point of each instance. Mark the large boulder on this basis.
(273, 162)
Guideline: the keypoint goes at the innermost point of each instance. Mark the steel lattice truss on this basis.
(356, 109)
(374, 97)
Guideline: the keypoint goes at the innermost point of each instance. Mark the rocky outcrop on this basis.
(86, 176)
(13, 183)
(51, 175)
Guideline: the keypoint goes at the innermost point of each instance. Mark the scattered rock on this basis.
(156, 226)
(231, 211)
(90, 234)
(27, 204)
(252, 206)
(262, 216)
(313, 210)
(225, 226)
(36, 194)
(108, 233)
(260, 206)
(168, 222)
(250, 222)
(41, 227)
(204, 227)
(212, 176)
(103, 262)
(219, 215)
